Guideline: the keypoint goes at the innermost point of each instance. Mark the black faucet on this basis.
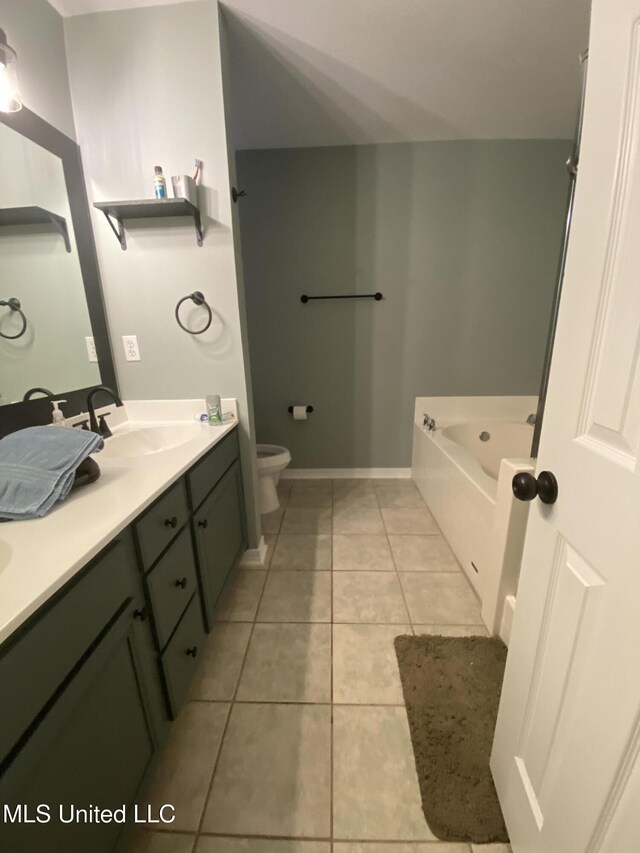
(33, 391)
(102, 428)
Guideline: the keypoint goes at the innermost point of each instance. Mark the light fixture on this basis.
(9, 97)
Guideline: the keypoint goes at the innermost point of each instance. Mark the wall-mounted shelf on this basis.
(36, 216)
(147, 208)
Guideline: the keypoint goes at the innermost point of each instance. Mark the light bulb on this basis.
(9, 98)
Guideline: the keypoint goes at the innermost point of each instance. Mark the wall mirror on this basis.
(50, 297)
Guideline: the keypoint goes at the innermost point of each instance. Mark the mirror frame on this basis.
(14, 416)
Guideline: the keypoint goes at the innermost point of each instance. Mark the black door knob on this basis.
(526, 487)
(171, 522)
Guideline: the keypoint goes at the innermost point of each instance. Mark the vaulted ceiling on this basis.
(332, 72)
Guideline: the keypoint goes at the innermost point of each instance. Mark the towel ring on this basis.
(198, 299)
(13, 304)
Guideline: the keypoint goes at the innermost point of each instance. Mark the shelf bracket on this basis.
(118, 231)
(60, 224)
(198, 224)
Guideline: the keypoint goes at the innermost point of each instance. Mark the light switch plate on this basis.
(131, 349)
(91, 349)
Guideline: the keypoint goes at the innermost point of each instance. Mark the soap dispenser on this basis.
(57, 418)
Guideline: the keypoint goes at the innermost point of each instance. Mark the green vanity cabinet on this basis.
(84, 661)
(220, 537)
(90, 683)
(93, 746)
(41, 654)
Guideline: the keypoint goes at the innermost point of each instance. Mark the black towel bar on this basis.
(377, 296)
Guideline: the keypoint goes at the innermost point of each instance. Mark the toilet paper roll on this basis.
(299, 413)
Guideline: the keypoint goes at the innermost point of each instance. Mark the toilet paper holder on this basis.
(309, 409)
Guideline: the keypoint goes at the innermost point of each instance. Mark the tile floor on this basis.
(295, 738)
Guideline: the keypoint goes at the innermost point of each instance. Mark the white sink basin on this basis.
(129, 442)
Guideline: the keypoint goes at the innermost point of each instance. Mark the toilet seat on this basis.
(272, 457)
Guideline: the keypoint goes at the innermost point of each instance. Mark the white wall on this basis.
(147, 90)
(35, 30)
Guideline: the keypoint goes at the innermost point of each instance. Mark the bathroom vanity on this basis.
(101, 639)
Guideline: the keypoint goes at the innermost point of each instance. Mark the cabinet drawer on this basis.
(204, 475)
(37, 662)
(181, 657)
(160, 523)
(171, 584)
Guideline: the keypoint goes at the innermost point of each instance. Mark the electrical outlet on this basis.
(91, 349)
(131, 350)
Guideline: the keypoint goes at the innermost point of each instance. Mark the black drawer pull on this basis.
(182, 583)
(171, 522)
(140, 613)
(203, 523)
(193, 651)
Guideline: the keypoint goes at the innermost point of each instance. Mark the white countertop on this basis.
(38, 557)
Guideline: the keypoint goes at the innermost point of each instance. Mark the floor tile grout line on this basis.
(231, 706)
(326, 621)
(395, 565)
(436, 843)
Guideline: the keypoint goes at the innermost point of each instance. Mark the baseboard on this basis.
(344, 473)
(255, 556)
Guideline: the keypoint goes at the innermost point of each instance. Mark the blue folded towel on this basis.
(37, 468)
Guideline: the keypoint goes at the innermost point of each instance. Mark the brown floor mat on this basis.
(452, 689)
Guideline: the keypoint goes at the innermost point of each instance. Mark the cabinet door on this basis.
(220, 537)
(92, 748)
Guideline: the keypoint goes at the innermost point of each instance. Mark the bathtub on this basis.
(464, 470)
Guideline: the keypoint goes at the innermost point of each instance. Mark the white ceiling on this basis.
(334, 72)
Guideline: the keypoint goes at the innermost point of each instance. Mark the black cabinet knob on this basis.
(140, 613)
(203, 523)
(526, 487)
(171, 522)
(182, 583)
(193, 651)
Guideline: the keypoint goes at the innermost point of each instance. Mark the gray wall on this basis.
(463, 240)
(140, 101)
(35, 30)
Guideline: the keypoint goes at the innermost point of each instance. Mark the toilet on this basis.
(272, 460)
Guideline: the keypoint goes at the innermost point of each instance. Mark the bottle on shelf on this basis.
(159, 183)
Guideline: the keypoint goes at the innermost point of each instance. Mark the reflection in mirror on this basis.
(40, 277)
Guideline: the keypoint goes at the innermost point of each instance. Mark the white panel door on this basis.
(566, 756)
